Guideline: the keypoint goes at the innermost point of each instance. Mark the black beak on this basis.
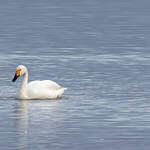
(15, 78)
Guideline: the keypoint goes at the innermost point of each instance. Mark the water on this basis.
(100, 51)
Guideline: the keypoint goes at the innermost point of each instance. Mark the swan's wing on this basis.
(45, 84)
(44, 89)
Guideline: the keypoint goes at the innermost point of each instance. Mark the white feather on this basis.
(45, 89)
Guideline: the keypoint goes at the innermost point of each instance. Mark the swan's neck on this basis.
(23, 89)
(24, 81)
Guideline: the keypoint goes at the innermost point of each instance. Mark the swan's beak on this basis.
(17, 74)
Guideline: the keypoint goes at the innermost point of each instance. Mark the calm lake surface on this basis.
(100, 51)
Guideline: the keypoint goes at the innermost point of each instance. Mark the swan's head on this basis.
(20, 71)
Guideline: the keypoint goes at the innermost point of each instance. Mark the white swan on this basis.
(45, 89)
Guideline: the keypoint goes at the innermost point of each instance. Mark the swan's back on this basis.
(46, 84)
(45, 89)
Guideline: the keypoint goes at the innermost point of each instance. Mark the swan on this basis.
(45, 89)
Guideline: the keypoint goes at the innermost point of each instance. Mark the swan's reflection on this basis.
(26, 113)
(22, 124)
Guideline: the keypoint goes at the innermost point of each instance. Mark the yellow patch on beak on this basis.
(17, 73)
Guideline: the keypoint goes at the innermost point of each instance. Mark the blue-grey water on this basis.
(100, 51)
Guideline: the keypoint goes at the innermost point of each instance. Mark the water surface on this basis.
(99, 50)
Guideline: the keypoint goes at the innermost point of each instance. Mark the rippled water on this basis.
(100, 51)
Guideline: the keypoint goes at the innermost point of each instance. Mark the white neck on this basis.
(23, 89)
(25, 80)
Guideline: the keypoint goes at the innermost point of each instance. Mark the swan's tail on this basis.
(60, 92)
(65, 89)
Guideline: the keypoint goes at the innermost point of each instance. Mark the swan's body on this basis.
(45, 89)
